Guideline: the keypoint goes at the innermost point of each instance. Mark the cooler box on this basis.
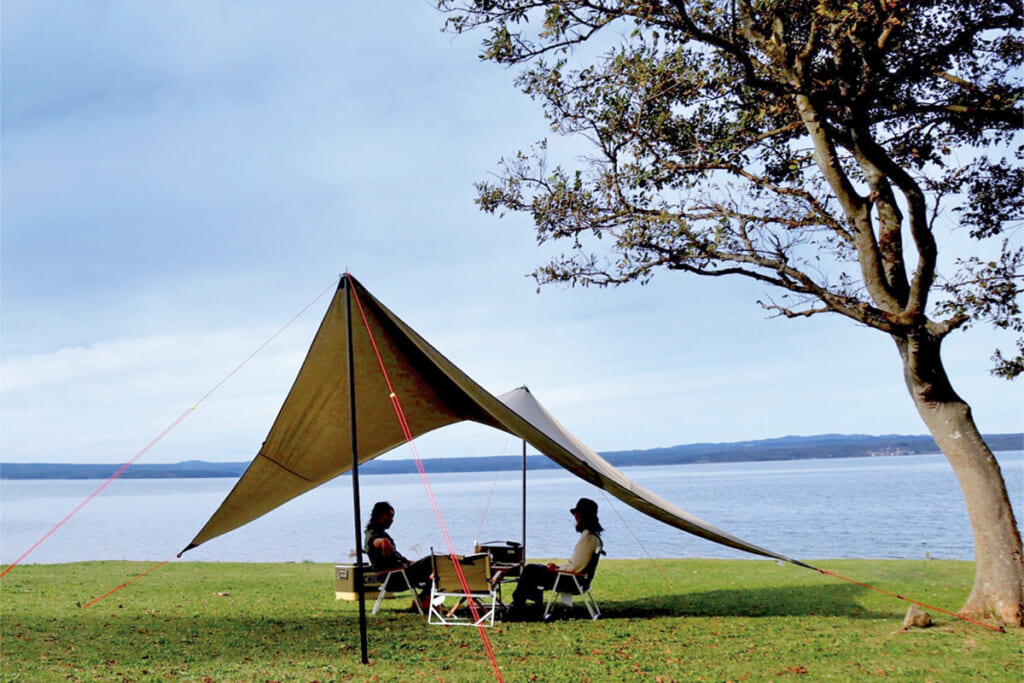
(345, 585)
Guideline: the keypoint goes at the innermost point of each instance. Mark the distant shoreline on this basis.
(784, 448)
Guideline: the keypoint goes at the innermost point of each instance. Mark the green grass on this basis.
(676, 620)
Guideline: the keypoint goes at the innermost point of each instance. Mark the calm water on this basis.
(884, 507)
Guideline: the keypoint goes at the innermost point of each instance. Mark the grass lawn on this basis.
(674, 620)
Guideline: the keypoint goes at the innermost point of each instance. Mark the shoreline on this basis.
(824, 447)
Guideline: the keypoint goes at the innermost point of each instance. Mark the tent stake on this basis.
(355, 474)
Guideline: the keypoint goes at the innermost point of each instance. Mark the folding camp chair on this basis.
(395, 581)
(572, 584)
(482, 593)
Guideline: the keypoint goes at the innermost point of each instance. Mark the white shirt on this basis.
(585, 548)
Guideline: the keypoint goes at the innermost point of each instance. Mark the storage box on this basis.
(346, 585)
(501, 552)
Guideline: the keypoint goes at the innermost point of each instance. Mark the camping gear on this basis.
(502, 553)
(311, 441)
(347, 583)
(395, 581)
(480, 589)
(364, 389)
(571, 584)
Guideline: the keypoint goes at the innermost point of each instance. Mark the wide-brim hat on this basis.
(584, 506)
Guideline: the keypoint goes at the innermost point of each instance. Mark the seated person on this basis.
(537, 578)
(380, 548)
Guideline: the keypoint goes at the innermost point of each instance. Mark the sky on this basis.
(180, 180)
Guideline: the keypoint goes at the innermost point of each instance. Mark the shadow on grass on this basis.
(162, 642)
(783, 601)
(168, 639)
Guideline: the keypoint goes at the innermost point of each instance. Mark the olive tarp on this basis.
(310, 442)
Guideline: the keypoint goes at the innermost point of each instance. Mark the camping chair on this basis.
(482, 590)
(570, 584)
(395, 581)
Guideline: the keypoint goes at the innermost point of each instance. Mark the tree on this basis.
(820, 147)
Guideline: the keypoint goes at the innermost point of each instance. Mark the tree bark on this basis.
(999, 561)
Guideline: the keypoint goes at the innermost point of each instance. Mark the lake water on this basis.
(883, 507)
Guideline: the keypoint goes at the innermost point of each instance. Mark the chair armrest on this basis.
(571, 582)
(571, 573)
(500, 572)
(385, 572)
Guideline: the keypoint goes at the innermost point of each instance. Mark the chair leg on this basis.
(380, 598)
(591, 605)
(433, 609)
(486, 617)
(550, 603)
(486, 610)
(384, 588)
(588, 601)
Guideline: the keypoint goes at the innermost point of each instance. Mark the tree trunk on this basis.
(999, 562)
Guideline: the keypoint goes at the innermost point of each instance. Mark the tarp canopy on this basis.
(310, 442)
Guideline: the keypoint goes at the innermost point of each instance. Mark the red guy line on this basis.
(451, 549)
(102, 486)
(161, 435)
(636, 538)
(494, 484)
(129, 582)
(400, 414)
(998, 629)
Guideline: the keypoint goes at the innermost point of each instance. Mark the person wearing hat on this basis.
(537, 578)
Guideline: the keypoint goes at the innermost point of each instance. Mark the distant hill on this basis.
(784, 448)
(799, 447)
(190, 469)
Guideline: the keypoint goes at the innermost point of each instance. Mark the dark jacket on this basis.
(377, 559)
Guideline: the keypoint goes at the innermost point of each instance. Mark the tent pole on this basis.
(524, 501)
(355, 473)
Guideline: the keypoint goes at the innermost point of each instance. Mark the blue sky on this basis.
(180, 179)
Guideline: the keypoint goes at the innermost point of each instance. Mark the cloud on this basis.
(102, 402)
(181, 178)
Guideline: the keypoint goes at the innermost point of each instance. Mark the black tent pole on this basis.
(524, 501)
(355, 473)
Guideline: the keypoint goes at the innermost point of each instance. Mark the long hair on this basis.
(590, 523)
(379, 508)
